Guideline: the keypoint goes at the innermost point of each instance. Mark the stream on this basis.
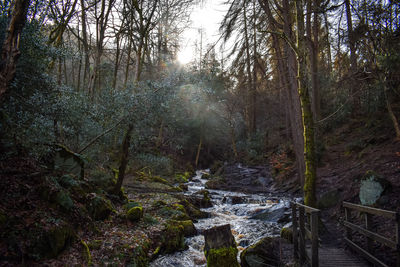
(246, 230)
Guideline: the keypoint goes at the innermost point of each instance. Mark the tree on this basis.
(10, 49)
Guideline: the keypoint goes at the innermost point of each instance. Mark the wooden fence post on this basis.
(314, 241)
(295, 234)
(398, 239)
(302, 235)
(347, 215)
(368, 226)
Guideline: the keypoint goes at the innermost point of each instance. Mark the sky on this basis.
(206, 16)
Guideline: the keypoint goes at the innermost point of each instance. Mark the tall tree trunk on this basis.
(10, 50)
(353, 56)
(117, 61)
(293, 93)
(312, 36)
(328, 43)
(85, 45)
(124, 159)
(249, 104)
(138, 62)
(308, 120)
(390, 110)
(198, 151)
(128, 60)
(254, 84)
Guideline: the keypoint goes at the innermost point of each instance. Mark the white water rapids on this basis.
(245, 230)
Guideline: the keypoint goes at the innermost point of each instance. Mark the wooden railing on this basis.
(305, 226)
(368, 232)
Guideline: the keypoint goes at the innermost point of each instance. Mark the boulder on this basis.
(287, 233)
(98, 207)
(220, 247)
(264, 253)
(173, 238)
(372, 187)
(276, 215)
(135, 214)
(329, 199)
(238, 200)
(54, 240)
(193, 211)
(188, 227)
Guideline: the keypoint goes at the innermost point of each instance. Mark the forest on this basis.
(115, 152)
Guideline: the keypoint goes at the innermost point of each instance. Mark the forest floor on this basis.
(29, 217)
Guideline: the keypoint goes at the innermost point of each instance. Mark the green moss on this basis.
(159, 203)
(159, 179)
(188, 227)
(176, 212)
(192, 211)
(287, 233)
(222, 257)
(51, 242)
(173, 238)
(86, 253)
(135, 213)
(99, 208)
(131, 204)
(182, 178)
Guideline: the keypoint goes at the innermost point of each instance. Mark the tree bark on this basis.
(249, 102)
(307, 115)
(10, 50)
(124, 159)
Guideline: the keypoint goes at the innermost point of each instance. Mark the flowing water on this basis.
(246, 231)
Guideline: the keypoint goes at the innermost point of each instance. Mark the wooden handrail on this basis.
(301, 233)
(375, 211)
(368, 232)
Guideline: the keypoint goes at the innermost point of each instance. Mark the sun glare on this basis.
(185, 56)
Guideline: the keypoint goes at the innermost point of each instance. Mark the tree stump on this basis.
(220, 247)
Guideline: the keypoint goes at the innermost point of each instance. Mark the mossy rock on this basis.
(99, 208)
(188, 227)
(182, 178)
(175, 212)
(222, 257)
(264, 253)
(206, 200)
(131, 204)
(215, 182)
(183, 187)
(287, 233)
(54, 240)
(135, 214)
(193, 211)
(173, 238)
